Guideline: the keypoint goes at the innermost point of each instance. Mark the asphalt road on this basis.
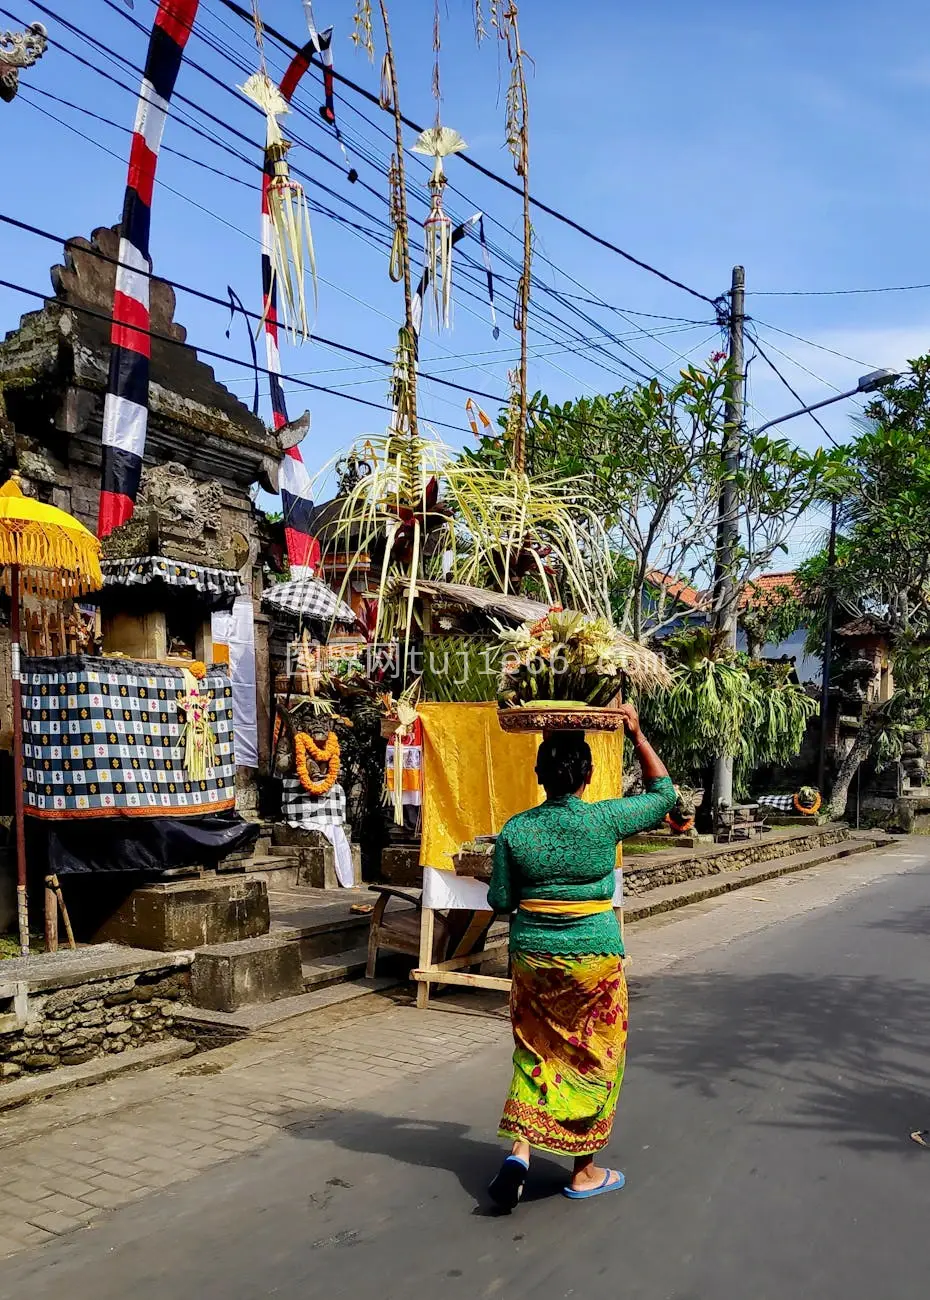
(763, 1130)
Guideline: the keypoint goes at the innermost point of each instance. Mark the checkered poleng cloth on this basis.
(777, 802)
(311, 812)
(221, 585)
(103, 737)
(308, 598)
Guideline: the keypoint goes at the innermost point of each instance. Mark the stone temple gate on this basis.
(205, 452)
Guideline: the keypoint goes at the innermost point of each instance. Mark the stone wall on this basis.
(72, 1025)
(672, 868)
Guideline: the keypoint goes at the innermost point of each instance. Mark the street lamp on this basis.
(869, 383)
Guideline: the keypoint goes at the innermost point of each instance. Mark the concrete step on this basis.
(228, 976)
(313, 866)
(335, 969)
(667, 898)
(258, 850)
(184, 914)
(38, 1087)
(320, 921)
(270, 1017)
(281, 873)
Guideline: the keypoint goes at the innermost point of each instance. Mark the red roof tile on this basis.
(768, 588)
(677, 589)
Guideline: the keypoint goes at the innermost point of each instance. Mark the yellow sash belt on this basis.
(566, 907)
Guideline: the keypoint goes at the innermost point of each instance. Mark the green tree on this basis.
(649, 457)
(882, 569)
(721, 698)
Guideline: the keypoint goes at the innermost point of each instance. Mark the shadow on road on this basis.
(852, 1051)
(436, 1144)
(916, 921)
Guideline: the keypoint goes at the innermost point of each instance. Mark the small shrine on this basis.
(161, 678)
(192, 548)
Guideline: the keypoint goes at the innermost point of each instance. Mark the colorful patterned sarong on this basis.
(569, 1025)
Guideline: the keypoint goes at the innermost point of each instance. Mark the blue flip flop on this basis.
(507, 1188)
(605, 1186)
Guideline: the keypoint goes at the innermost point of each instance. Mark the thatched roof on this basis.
(642, 667)
(512, 610)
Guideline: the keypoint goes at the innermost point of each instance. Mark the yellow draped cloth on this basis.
(475, 776)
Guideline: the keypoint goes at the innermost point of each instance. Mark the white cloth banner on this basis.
(342, 852)
(444, 890)
(236, 630)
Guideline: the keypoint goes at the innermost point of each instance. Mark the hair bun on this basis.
(563, 763)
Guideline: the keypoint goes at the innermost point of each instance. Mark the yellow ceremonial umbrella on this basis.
(45, 552)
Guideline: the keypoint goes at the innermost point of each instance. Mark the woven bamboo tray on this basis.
(476, 865)
(549, 718)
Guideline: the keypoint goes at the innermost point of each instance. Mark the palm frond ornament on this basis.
(291, 237)
(439, 142)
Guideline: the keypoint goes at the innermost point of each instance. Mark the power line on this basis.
(485, 171)
(127, 130)
(188, 125)
(504, 356)
(585, 344)
(420, 193)
(108, 318)
(834, 293)
(544, 313)
(795, 362)
(561, 347)
(208, 352)
(857, 361)
(794, 393)
(224, 303)
(424, 198)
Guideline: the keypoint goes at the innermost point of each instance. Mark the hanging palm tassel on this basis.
(439, 142)
(197, 737)
(362, 36)
(289, 216)
(400, 389)
(396, 267)
(386, 96)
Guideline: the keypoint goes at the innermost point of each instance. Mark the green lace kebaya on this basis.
(565, 849)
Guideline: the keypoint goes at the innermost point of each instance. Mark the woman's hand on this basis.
(630, 720)
(651, 765)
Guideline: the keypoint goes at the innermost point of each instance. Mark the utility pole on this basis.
(827, 651)
(726, 594)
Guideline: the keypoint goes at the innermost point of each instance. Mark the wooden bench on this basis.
(456, 935)
(740, 823)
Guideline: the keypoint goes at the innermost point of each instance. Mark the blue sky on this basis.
(790, 137)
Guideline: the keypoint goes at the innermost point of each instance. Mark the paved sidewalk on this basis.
(66, 1162)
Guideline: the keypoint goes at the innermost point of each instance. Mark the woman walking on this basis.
(554, 867)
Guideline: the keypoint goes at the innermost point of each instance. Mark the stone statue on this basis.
(176, 516)
(19, 50)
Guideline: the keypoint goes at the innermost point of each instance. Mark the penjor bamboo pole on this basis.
(519, 442)
(404, 225)
(22, 906)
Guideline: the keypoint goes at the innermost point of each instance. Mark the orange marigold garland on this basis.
(681, 827)
(328, 754)
(811, 809)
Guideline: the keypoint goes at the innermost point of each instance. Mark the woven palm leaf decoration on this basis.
(438, 142)
(291, 236)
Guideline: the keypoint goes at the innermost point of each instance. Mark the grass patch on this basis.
(9, 946)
